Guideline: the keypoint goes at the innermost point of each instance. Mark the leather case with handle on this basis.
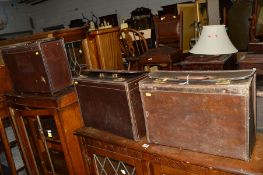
(206, 111)
(38, 67)
(110, 101)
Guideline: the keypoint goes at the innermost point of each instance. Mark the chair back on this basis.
(169, 30)
(132, 43)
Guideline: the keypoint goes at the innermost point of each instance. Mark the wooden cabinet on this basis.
(104, 49)
(11, 157)
(46, 124)
(103, 151)
(105, 161)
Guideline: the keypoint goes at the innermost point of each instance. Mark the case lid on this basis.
(25, 46)
(110, 75)
(204, 81)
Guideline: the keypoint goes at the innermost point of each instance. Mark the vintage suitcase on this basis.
(206, 111)
(250, 61)
(110, 100)
(209, 62)
(38, 67)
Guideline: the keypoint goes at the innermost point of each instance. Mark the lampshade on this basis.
(213, 41)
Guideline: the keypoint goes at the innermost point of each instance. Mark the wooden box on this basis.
(255, 47)
(250, 61)
(38, 67)
(208, 62)
(206, 111)
(110, 100)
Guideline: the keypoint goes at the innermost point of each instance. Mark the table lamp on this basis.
(213, 41)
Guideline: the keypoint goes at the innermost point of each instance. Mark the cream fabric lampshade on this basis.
(213, 41)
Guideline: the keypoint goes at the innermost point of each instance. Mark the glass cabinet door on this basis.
(45, 144)
(11, 159)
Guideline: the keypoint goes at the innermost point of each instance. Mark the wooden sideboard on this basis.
(106, 153)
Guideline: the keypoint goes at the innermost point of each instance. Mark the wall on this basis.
(55, 12)
(213, 12)
(16, 16)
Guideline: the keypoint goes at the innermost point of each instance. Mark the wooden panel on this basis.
(70, 119)
(109, 50)
(106, 43)
(184, 169)
(189, 16)
(5, 80)
(92, 53)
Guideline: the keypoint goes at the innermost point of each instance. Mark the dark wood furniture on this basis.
(249, 61)
(150, 159)
(168, 30)
(39, 115)
(208, 62)
(132, 45)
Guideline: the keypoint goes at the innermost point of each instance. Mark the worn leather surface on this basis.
(38, 66)
(112, 104)
(200, 115)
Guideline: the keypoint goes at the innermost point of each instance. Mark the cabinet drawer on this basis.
(184, 169)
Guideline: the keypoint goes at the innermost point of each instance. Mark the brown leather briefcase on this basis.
(110, 101)
(38, 67)
(205, 111)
